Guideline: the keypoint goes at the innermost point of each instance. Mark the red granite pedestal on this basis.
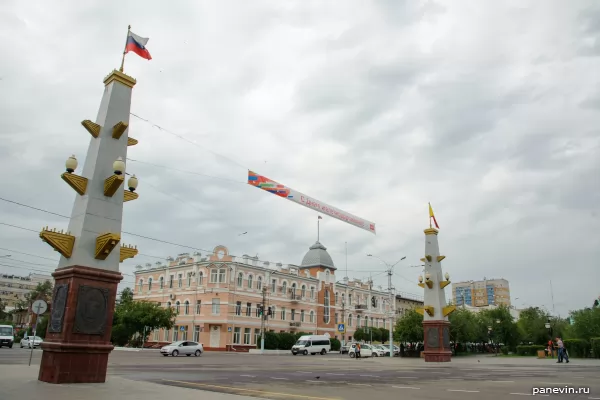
(437, 341)
(77, 342)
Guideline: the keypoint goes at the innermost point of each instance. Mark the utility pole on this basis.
(263, 317)
(389, 272)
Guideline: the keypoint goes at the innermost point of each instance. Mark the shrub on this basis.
(595, 345)
(335, 345)
(286, 340)
(504, 350)
(577, 347)
(529, 350)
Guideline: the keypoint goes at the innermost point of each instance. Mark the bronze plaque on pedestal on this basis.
(92, 310)
(433, 338)
(59, 302)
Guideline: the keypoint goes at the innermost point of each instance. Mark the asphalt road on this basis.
(339, 377)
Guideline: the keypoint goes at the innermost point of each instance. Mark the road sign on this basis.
(228, 329)
(182, 328)
(341, 328)
(39, 307)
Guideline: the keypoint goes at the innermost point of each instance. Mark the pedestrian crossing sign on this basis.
(341, 328)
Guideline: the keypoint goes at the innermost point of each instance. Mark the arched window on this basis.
(140, 285)
(294, 290)
(343, 298)
(177, 307)
(200, 278)
(303, 290)
(273, 312)
(240, 279)
(149, 283)
(168, 304)
(327, 276)
(326, 304)
(350, 299)
(358, 321)
(284, 287)
(337, 297)
(349, 319)
(312, 316)
(222, 273)
(161, 282)
(187, 307)
(250, 278)
(259, 283)
(312, 292)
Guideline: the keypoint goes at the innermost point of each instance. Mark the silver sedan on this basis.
(183, 347)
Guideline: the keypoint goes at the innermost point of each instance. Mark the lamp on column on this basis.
(428, 281)
(71, 164)
(77, 183)
(118, 166)
(132, 183)
(113, 182)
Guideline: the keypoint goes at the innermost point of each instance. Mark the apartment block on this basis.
(486, 292)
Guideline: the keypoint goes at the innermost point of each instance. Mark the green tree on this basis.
(43, 291)
(532, 326)
(503, 326)
(138, 318)
(385, 335)
(586, 323)
(409, 328)
(464, 326)
(359, 334)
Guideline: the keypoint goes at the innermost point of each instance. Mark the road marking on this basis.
(405, 387)
(372, 376)
(281, 379)
(444, 373)
(304, 372)
(462, 390)
(500, 381)
(315, 381)
(249, 390)
(407, 377)
(249, 376)
(359, 384)
(594, 398)
(331, 373)
(555, 383)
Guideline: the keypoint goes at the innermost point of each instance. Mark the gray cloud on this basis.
(489, 111)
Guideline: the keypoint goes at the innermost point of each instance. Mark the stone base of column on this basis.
(77, 342)
(437, 341)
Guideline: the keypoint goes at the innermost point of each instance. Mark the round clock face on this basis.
(220, 254)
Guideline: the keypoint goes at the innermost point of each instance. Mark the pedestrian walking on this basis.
(562, 353)
(357, 350)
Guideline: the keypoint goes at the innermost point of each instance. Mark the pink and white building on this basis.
(218, 297)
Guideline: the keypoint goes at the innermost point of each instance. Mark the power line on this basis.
(187, 172)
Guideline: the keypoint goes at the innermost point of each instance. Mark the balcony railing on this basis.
(294, 325)
(360, 307)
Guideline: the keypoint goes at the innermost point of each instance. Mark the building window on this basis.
(350, 299)
(350, 320)
(274, 312)
(198, 306)
(238, 308)
(326, 304)
(336, 318)
(197, 333)
(301, 315)
(177, 307)
(187, 308)
(248, 309)
(236, 335)
(200, 278)
(184, 334)
(175, 333)
(140, 285)
(168, 304)
(170, 281)
(247, 335)
(293, 314)
(161, 282)
(273, 285)
(256, 336)
(216, 306)
(167, 335)
(358, 321)
(257, 309)
(343, 299)
(312, 317)
(284, 287)
(179, 280)
(293, 290)
(214, 276)
(222, 275)
(155, 335)
(249, 281)
(149, 284)
(327, 276)
(240, 279)
(312, 292)
(189, 279)
(337, 297)
(303, 293)
(259, 283)
(283, 313)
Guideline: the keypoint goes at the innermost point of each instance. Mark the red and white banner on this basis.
(264, 183)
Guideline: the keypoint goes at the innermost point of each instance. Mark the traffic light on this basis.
(270, 312)
(261, 310)
(373, 303)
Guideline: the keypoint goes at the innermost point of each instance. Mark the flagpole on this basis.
(318, 229)
(125, 49)
(430, 217)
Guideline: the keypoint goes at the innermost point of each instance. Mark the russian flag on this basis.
(137, 44)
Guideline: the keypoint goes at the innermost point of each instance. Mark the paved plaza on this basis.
(146, 374)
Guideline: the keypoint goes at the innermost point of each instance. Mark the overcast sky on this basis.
(489, 110)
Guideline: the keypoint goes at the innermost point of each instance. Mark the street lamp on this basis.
(389, 272)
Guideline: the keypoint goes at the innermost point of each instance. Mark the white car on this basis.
(379, 351)
(29, 341)
(183, 347)
(365, 351)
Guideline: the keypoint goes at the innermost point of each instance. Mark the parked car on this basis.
(385, 350)
(365, 351)
(344, 349)
(182, 347)
(378, 351)
(30, 341)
